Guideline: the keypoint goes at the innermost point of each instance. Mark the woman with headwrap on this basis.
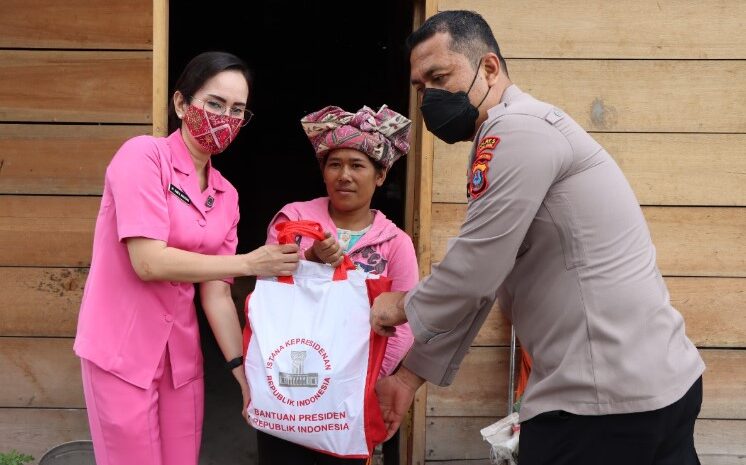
(355, 151)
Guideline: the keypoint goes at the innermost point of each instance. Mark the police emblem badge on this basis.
(481, 165)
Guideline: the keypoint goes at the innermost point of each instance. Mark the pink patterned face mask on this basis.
(212, 132)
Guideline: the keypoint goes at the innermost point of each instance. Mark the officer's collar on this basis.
(509, 94)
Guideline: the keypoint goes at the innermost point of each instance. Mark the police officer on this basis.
(555, 233)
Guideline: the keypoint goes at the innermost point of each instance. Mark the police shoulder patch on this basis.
(480, 167)
(488, 143)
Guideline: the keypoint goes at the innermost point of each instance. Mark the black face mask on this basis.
(451, 116)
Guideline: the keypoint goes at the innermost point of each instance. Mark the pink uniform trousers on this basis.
(155, 426)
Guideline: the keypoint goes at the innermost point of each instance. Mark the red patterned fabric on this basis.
(382, 135)
(212, 132)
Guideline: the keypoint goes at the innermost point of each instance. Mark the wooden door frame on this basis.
(160, 68)
(418, 223)
(418, 203)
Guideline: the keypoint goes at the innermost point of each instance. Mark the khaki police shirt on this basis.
(554, 231)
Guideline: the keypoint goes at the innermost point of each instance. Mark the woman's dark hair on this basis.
(198, 71)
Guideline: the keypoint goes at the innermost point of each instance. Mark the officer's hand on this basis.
(326, 251)
(395, 395)
(272, 260)
(387, 312)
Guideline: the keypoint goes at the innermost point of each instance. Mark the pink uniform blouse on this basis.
(151, 190)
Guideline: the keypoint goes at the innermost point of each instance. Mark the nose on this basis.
(345, 173)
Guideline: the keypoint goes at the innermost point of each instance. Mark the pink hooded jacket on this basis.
(384, 250)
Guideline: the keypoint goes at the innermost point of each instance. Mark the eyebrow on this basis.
(428, 73)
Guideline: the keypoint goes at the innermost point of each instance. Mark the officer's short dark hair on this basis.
(470, 34)
(198, 71)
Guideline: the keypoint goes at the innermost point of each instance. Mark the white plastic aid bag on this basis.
(312, 360)
(503, 437)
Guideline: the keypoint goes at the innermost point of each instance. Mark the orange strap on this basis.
(523, 373)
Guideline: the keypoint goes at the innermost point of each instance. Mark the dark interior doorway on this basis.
(305, 55)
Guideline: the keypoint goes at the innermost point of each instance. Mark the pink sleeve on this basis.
(404, 272)
(271, 231)
(230, 244)
(396, 348)
(134, 177)
(402, 267)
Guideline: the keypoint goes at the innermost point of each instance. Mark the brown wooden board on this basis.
(73, 86)
(712, 309)
(480, 387)
(58, 159)
(79, 24)
(690, 241)
(663, 169)
(34, 431)
(602, 29)
(641, 95)
(40, 301)
(495, 331)
(47, 231)
(39, 372)
(458, 438)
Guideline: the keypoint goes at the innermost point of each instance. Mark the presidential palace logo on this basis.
(298, 377)
(288, 368)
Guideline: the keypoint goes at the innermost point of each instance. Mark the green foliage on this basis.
(14, 458)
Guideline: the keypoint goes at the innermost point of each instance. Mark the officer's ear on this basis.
(491, 68)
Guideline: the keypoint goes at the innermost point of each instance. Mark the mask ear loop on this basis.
(475, 77)
(475, 80)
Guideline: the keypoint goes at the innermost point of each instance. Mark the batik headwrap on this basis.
(212, 132)
(383, 135)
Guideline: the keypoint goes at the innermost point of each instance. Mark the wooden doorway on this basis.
(304, 56)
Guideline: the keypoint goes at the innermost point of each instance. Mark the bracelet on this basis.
(236, 362)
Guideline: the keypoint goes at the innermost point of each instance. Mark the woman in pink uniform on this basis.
(355, 151)
(167, 220)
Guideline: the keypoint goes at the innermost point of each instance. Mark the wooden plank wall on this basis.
(75, 82)
(662, 85)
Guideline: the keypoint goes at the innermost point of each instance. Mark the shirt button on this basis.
(201, 222)
(168, 318)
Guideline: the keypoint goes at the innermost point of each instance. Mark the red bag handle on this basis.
(288, 230)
